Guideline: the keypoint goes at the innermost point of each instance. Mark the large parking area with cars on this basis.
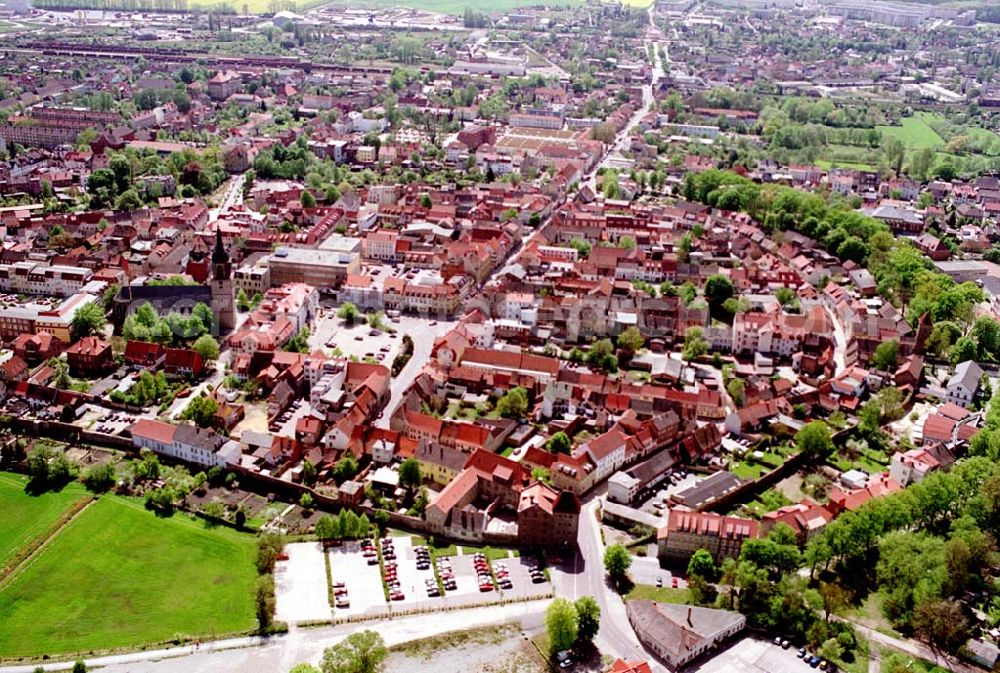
(413, 576)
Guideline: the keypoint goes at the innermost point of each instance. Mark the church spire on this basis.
(219, 255)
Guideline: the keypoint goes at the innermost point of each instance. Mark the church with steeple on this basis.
(217, 293)
(223, 297)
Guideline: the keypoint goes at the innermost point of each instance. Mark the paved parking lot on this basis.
(752, 655)
(646, 570)
(411, 580)
(663, 493)
(364, 583)
(331, 332)
(108, 421)
(300, 584)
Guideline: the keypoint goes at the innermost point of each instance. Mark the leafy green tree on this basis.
(79, 666)
(346, 467)
(831, 650)
(326, 528)
(559, 442)
(348, 312)
(588, 619)
(308, 473)
(702, 565)
(298, 343)
(581, 246)
(886, 355)
(409, 474)
(941, 623)
(307, 502)
(695, 344)
(986, 332)
(304, 668)
(99, 478)
(88, 320)
(964, 349)
(943, 335)
(784, 295)
(48, 468)
(307, 199)
(269, 545)
(718, 288)
(814, 440)
(617, 561)
(207, 347)
(264, 601)
(128, 200)
(561, 625)
(201, 410)
(911, 569)
(737, 390)
(514, 404)
(777, 554)
(854, 249)
(361, 652)
(630, 340)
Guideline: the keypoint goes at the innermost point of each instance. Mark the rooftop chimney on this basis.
(689, 617)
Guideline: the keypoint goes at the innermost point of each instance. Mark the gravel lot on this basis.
(497, 650)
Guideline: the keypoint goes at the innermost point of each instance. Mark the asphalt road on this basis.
(280, 654)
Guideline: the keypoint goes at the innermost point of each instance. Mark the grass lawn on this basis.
(438, 548)
(492, 553)
(915, 132)
(659, 594)
(768, 501)
(118, 576)
(25, 517)
(751, 468)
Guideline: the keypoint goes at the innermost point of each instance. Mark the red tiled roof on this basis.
(156, 431)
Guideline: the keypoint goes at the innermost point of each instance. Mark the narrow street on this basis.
(586, 577)
(614, 150)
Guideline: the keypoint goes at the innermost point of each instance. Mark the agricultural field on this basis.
(253, 6)
(26, 517)
(118, 576)
(915, 132)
